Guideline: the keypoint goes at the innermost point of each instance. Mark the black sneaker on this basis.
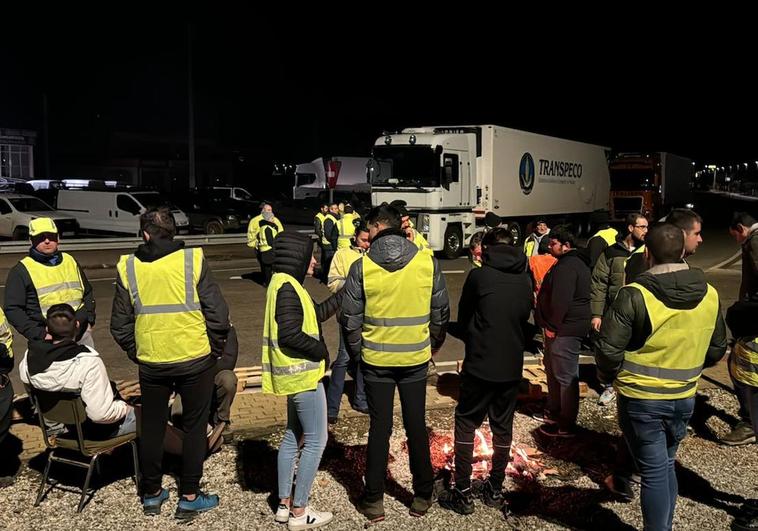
(488, 494)
(745, 523)
(552, 430)
(462, 502)
(420, 506)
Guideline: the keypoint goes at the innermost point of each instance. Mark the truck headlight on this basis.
(231, 218)
(424, 223)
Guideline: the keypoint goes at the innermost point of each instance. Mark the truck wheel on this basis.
(453, 241)
(21, 233)
(214, 227)
(518, 235)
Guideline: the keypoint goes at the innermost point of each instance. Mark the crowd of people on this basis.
(652, 321)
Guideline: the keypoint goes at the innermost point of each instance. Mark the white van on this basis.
(115, 210)
(17, 210)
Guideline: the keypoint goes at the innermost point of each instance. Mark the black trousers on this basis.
(480, 398)
(380, 397)
(6, 406)
(327, 254)
(266, 262)
(196, 391)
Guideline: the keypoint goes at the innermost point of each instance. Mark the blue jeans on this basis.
(342, 365)
(306, 420)
(129, 424)
(654, 429)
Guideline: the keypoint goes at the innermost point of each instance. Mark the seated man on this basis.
(60, 364)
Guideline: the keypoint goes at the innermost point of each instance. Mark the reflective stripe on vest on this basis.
(6, 335)
(286, 372)
(743, 362)
(346, 230)
(609, 235)
(669, 364)
(59, 284)
(396, 315)
(169, 324)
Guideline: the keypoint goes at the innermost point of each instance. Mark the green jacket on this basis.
(608, 277)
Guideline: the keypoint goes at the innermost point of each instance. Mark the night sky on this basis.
(281, 90)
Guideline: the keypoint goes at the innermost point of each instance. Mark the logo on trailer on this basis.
(526, 173)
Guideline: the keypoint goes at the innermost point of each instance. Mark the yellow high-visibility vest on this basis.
(346, 229)
(669, 364)
(324, 241)
(397, 313)
(169, 325)
(609, 235)
(6, 334)
(340, 267)
(285, 372)
(263, 244)
(744, 361)
(254, 227)
(58, 284)
(420, 242)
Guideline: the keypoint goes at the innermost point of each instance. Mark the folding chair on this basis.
(68, 408)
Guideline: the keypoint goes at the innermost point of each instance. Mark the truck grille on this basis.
(626, 205)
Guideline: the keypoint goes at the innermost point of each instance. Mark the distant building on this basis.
(17, 153)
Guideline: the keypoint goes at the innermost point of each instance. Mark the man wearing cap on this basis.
(44, 278)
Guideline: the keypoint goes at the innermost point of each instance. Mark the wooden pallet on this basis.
(248, 378)
(536, 381)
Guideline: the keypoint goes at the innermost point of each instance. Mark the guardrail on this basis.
(98, 244)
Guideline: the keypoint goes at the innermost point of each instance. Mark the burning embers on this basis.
(524, 462)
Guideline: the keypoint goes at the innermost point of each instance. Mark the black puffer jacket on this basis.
(493, 315)
(626, 325)
(563, 304)
(292, 255)
(391, 250)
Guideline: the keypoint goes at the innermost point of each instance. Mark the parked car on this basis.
(17, 210)
(214, 215)
(115, 210)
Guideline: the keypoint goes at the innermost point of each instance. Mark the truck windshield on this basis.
(632, 179)
(404, 166)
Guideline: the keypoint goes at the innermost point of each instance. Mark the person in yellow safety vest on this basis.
(658, 335)
(318, 220)
(170, 318)
(329, 240)
(293, 363)
(46, 277)
(411, 233)
(743, 369)
(346, 227)
(537, 241)
(600, 241)
(261, 232)
(343, 260)
(9, 464)
(395, 312)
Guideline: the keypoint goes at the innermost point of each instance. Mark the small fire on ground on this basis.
(524, 461)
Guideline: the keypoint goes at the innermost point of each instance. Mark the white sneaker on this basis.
(282, 514)
(310, 519)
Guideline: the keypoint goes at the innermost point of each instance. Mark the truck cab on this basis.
(433, 171)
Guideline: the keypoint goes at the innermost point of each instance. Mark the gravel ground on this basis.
(712, 481)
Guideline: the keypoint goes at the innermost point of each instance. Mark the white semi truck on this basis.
(310, 179)
(451, 176)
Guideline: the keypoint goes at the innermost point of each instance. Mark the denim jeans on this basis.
(306, 420)
(129, 424)
(342, 365)
(654, 429)
(562, 370)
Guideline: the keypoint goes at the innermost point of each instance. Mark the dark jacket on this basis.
(22, 304)
(563, 304)
(293, 254)
(228, 359)
(740, 318)
(595, 247)
(391, 250)
(493, 315)
(212, 303)
(608, 276)
(331, 232)
(626, 324)
(749, 284)
(635, 266)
